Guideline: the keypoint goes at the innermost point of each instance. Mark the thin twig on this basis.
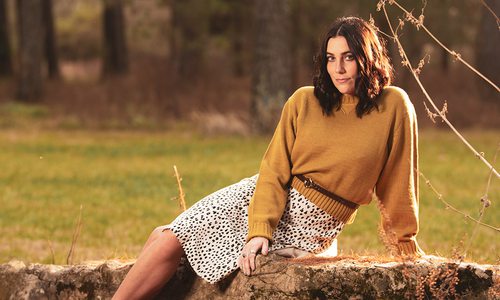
(76, 234)
(182, 201)
(442, 115)
(420, 24)
(485, 203)
(449, 206)
(450, 279)
(52, 253)
(492, 12)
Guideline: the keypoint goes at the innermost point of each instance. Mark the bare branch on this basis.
(407, 62)
(492, 12)
(420, 24)
(449, 206)
(421, 64)
(433, 116)
(485, 203)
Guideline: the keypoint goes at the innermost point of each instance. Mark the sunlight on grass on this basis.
(125, 182)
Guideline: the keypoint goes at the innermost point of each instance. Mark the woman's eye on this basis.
(349, 57)
(330, 58)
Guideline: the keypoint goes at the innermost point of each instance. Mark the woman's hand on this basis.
(246, 261)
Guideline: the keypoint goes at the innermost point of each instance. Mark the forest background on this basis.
(116, 92)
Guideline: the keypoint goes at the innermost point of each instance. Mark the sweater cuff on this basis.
(410, 248)
(260, 229)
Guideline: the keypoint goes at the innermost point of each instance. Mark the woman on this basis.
(336, 144)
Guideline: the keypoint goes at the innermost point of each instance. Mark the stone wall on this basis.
(277, 278)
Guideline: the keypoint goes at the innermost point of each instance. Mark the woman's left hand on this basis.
(246, 261)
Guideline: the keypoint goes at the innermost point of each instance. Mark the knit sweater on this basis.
(349, 156)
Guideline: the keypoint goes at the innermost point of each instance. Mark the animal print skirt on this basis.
(213, 231)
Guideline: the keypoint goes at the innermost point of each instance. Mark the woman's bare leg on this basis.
(154, 267)
(157, 233)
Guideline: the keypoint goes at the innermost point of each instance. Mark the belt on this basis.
(309, 183)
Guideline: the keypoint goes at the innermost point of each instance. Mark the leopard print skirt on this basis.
(213, 231)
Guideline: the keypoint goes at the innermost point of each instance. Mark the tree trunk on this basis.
(487, 45)
(296, 39)
(190, 21)
(5, 54)
(50, 40)
(115, 45)
(272, 67)
(237, 34)
(30, 49)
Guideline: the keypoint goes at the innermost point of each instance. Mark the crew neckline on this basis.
(348, 103)
(349, 99)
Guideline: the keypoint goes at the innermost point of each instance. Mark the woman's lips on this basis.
(342, 80)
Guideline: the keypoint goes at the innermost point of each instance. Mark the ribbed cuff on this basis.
(410, 248)
(260, 229)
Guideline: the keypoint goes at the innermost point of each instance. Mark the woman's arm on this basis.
(397, 186)
(269, 199)
(271, 192)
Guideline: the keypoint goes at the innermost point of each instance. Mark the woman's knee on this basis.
(168, 242)
(157, 232)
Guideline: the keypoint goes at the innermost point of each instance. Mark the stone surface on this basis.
(277, 278)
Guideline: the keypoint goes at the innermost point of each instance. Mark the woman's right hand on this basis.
(246, 261)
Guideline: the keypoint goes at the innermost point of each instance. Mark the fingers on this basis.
(251, 258)
(246, 266)
(246, 261)
(265, 247)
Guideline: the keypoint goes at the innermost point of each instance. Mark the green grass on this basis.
(461, 179)
(124, 180)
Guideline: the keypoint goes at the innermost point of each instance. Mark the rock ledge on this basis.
(278, 278)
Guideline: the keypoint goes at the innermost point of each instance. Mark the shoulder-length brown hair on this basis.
(374, 69)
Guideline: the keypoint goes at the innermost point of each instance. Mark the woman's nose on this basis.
(339, 68)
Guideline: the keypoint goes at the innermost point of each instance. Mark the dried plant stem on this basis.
(453, 53)
(488, 184)
(386, 234)
(182, 200)
(52, 253)
(485, 203)
(449, 206)
(492, 12)
(76, 234)
(441, 114)
(449, 278)
(390, 241)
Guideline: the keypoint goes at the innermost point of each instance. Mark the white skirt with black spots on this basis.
(213, 231)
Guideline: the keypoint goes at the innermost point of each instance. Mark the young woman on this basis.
(336, 144)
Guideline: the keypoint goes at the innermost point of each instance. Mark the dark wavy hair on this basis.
(374, 68)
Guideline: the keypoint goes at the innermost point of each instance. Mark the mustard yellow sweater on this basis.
(346, 155)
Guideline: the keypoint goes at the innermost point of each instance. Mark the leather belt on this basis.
(309, 183)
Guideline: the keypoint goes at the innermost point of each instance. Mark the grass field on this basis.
(124, 180)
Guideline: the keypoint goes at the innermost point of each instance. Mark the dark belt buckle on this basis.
(308, 183)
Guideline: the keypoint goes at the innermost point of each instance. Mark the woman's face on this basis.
(341, 65)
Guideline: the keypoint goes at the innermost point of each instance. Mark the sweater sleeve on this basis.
(269, 199)
(397, 186)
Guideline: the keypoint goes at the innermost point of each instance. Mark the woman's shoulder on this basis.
(303, 92)
(302, 96)
(395, 98)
